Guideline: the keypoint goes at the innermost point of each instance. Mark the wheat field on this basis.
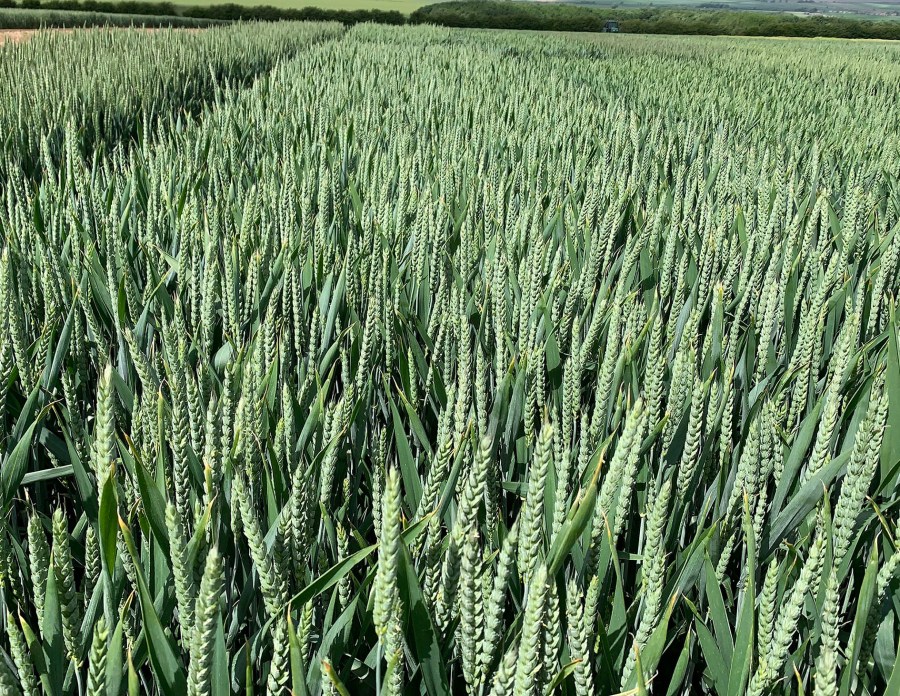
(421, 361)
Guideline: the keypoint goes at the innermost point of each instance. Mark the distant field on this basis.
(842, 8)
(697, 18)
(845, 8)
(403, 6)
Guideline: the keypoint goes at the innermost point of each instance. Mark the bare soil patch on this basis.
(19, 35)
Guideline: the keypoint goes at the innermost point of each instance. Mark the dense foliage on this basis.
(131, 81)
(460, 362)
(552, 16)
